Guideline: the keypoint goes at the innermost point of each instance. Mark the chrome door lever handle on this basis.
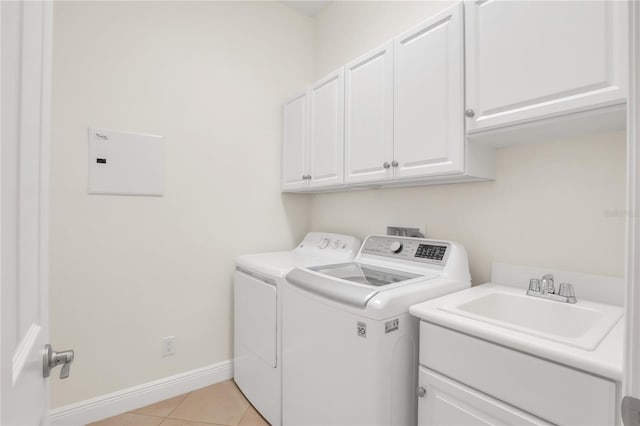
(52, 359)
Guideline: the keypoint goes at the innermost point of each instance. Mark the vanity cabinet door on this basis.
(326, 125)
(429, 97)
(369, 116)
(295, 143)
(530, 60)
(501, 372)
(446, 402)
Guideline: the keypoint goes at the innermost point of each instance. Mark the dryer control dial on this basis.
(324, 243)
(395, 247)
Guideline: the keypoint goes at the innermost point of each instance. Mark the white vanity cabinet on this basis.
(467, 380)
(313, 136)
(446, 402)
(532, 60)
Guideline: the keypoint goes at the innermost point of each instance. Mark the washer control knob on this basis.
(324, 243)
(396, 247)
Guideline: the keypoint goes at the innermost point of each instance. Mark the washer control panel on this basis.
(412, 249)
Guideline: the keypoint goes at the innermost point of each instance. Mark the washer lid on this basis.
(365, 274)
(349, 288)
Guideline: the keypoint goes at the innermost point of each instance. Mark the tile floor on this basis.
(219, 404)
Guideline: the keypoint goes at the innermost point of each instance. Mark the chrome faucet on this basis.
(545, 289)
(546, 284)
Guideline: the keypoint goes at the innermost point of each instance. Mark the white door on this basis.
(326, 140)
(368, 132)
(631, 387)
(26, 49)
(429, 97)
(295, 165)
(534, 59)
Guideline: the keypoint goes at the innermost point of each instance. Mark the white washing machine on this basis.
(257, 314)
(350, 347)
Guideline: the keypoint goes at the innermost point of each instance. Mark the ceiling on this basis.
(310, 8)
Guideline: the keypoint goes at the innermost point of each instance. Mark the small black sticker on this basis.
(101, 160)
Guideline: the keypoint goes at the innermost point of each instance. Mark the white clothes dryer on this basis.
(350, 346)
(258, 311)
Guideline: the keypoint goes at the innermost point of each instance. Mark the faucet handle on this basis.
(567, 290)
(547, 284)
(534, 285)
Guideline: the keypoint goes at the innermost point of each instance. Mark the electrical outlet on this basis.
(168, 345)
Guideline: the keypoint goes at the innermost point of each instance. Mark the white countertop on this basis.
(605, 360)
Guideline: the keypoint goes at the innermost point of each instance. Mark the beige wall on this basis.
(126, 271)
(345, 30)
(211, 77)
(553, 204)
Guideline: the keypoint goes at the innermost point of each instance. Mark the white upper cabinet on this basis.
(295, 143)
(531, 60)
(429, 97)
(431, 105)
(369, 116)
(326, 124)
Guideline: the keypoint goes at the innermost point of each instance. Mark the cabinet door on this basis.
(429, 95)
(369, 116)
(294, 143)
(446, 402)
(536, 59)
(327, 130)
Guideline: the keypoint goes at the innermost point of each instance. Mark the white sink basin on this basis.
(582, 325)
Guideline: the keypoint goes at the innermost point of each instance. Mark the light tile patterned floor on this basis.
(220, 404)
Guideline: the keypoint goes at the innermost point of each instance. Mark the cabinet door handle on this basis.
(386, 165)
(394, 163)
(421, 392)
(469, 112)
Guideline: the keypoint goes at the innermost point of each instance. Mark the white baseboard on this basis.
(101, 407)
